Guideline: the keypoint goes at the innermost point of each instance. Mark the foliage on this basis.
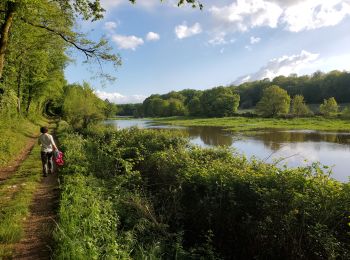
(274, 102)
(298, 106)
(194, 106)
(110, 109)
(329, 107)
(346, 112)
(166, 199)
(219, 102)
(315, 88)
(81, 106)
(130, 110)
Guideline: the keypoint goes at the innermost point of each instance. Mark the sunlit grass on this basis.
(15, 133)
(16, 194)
(247, 124)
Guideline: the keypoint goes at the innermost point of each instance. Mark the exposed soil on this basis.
(37, 242)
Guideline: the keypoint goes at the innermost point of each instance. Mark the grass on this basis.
(17, 191)
(251, 124)
(16, 194)
(15, 133)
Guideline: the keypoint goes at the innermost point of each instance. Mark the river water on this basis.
(291, 147)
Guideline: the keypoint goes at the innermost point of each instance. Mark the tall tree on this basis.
(219, 101)
(44, 13)
(299, 107)
(329, 107)
(274, 102)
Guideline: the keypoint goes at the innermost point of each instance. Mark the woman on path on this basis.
(47, 147)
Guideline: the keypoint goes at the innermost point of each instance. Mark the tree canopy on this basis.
(274, 102)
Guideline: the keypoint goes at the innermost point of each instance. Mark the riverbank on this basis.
(251, 124)
(152, 195)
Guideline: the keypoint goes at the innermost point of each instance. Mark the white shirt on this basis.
(46, 141)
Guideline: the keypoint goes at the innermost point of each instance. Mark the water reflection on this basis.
(299, 147)
(210, 136)
(275, 139)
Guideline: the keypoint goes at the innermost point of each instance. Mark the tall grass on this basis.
(15, 133)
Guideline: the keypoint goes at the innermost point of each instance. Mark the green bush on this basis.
(166, 199)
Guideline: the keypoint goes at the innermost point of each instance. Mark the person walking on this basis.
(47, 147)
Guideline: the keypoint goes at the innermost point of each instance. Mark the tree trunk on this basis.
(4, 32)
(19, 85)
(29, 100)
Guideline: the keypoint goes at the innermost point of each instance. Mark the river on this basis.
(291, 147)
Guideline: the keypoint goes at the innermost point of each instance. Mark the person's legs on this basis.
(49, 162)
(44, 162)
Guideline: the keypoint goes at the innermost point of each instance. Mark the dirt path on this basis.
(6, 171)
(37, 242)
(38, 227)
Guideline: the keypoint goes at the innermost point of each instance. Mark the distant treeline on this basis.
(224, 101)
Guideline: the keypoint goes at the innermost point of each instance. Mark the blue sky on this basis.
(166, 48)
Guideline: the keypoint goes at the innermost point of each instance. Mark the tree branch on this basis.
(89, 52)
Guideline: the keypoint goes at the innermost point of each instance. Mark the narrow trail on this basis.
(12, 167)
(37, 242)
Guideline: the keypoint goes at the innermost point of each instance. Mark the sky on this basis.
(164, 47)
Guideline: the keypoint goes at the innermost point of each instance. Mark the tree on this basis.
(219, 101)
(81, 106)
(34, 69)
(274, 102)
(194, 107)
(346, 112)
(176, 107)
(299, 107)
(45, 15)
(329, 106)
(110, 110)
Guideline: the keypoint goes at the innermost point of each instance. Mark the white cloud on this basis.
(254, 40)
(108, 4)
(152, 36)
(183, 31)
(145, 4)
(313, 14)
(284, 65)
(110, 26)
(118, 98)
(248, 47)
(293, 15)
(242, 15)
(220, 39)
(127, 42)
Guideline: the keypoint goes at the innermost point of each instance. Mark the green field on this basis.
(248, 124)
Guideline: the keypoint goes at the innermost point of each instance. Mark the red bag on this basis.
(58, 158)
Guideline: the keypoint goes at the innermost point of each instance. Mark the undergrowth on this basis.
(148, 194)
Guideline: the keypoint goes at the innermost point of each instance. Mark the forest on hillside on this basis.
(224, 101)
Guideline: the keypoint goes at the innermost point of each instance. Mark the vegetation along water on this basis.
(249, 170)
